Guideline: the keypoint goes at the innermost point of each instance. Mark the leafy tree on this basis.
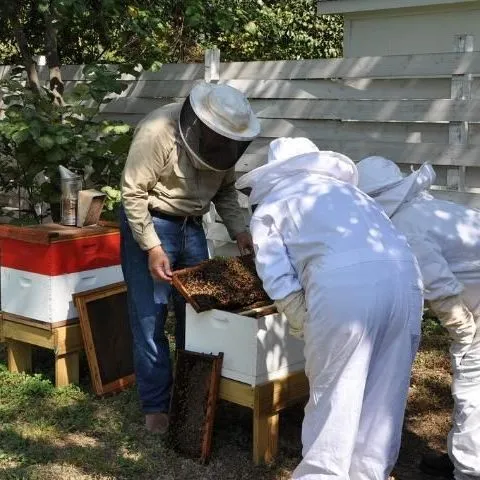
(152, 32)
(45, 127)
(248, 30)
(36, 136)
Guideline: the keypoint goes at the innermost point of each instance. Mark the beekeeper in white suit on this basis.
(341, 273)
(445, 237)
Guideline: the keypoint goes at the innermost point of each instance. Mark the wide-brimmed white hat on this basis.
(287, 155)
(286, 148)
(376, 173)
(225, 110)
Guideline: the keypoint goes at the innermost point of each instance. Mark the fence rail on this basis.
(410, 108)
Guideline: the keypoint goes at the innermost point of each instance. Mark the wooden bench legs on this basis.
(266, 401)
(67, 369)
(265, 437)
(66, 366)
(19, 357)
(65, 341)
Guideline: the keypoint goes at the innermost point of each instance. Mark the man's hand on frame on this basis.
(159, 264)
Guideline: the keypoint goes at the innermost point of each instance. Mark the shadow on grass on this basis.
(43, 429)
(48, 433)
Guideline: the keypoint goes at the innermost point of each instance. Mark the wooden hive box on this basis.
(41, 267)
(256, 350)
(254, 338)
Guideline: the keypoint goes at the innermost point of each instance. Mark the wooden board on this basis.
(432, 111)
(355, 131)
(348, 6)
(356, 89)
(135, 105)
(342, 89)
(161, 88)
(128, 118)
(173, 71)
(52, 232)
(405, 66)
(399, 152)
(193, 403)
(402, 66)
(103, 314)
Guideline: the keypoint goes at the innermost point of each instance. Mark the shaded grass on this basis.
(50, 433)
(68, 433)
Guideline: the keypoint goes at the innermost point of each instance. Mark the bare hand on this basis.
(245, 243)
(159, 264)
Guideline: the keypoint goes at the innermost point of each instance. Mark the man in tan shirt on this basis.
(182, 158)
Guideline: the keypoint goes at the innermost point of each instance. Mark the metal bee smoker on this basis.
(71, 184)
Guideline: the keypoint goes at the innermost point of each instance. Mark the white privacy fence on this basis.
(410, 108)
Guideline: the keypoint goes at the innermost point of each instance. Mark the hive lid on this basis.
(47, 233)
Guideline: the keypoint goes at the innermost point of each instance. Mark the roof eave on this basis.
(350, 6)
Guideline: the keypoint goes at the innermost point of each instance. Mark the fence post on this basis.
(461, 87)
(212, 65)
(212, 75)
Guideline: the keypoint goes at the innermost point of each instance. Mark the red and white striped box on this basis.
(42, 266)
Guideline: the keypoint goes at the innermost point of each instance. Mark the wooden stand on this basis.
(266, 401)
(65, 339)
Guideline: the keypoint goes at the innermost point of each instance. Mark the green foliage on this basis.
(37, 136)
(112, 202)
(23, 386)
(151, 32)
(432, 326)
(20, 393)
(269, 30)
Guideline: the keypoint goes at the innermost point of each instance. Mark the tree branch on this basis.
(53, 61)
(30, 64)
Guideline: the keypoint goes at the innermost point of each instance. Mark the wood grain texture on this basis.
(103, 316)
(406, 153)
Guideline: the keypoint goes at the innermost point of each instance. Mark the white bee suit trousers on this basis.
(464, 437)
(360, 338)
(445, 238)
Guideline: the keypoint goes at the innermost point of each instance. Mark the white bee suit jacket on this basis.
(445, 238)
(313, 230)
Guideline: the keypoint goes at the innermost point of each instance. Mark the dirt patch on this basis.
(229, 284)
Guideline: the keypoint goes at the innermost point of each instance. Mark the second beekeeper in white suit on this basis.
(349, 283)
(445, 237)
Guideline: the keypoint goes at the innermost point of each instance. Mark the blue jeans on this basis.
(185, 245)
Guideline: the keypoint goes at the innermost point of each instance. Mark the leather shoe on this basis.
(157, 423)
(436, 464)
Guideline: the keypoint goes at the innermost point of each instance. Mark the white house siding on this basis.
(423, 30)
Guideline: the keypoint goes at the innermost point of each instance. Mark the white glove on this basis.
(294, 308)
(455, 316)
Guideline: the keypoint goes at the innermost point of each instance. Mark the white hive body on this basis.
(48, 298)
(256, 350)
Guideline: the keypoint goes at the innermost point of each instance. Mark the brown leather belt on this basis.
(176, 218)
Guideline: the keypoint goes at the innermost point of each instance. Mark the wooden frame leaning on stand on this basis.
(64, 338)
(105, 328)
